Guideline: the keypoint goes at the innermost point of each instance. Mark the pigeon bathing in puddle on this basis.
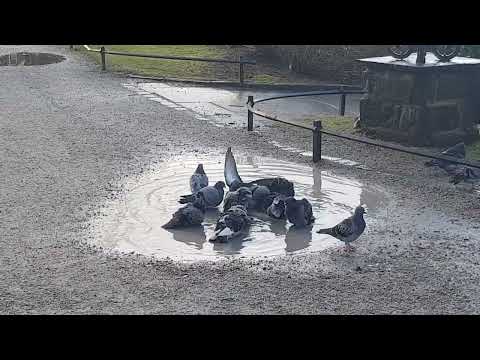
(231, 223)
(468, 175)
(213, 195)
(298, 212)
(276, 209)
(242, 197)
(349, 229)
(456, 151)
(198, 180)
(190, 215)
(233, 180)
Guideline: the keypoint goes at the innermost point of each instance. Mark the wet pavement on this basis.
(226, 106)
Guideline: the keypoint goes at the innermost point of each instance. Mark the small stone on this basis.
(358, 268)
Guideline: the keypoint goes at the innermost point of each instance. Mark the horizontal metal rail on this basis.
(318, 130)
(312, 93)
(242, 62)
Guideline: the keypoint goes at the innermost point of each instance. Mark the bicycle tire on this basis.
(445, 56)
(400, 51)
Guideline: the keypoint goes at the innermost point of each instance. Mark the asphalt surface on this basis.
(71, 134)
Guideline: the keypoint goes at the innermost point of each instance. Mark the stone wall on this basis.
(428, 106)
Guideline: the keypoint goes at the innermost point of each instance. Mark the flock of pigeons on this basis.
(276, 198)
(273, 196)
(459, 173)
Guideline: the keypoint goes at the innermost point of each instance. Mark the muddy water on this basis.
(133, 223)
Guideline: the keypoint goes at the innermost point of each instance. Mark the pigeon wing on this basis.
(344, 229)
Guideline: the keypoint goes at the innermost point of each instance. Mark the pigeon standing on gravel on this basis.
(349, 229)
(198, 180)
(468, 175)
(276, 209)
(242, 197)
(213, 195)
(298, 212)
(456, 151)
(231, 223)
(190, 215)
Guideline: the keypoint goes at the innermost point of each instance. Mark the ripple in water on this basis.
(134, 222)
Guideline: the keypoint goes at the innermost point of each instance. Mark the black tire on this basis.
(400, 51)
(446, 52)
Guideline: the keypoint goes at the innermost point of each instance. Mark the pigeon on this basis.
(231, 223)
(298, 212)
(468, 175)
(276, 209)
(213, 195)
(349, 229)
(234, 181)
(456, 151)
(189, 215)
(198, 180)
(242, 196)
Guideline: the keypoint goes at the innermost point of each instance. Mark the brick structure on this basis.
(435, 104)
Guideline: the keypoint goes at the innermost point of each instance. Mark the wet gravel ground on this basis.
(70, 133)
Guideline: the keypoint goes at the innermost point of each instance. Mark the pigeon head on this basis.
(290, 201)
(200, 169)
(235, 185)
(219, 185)
(360, 210)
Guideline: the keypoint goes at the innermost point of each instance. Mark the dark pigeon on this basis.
(191, 214)
(456, 151)
(468, 175)
(231, 223)
(234, 181)
(276, 209)
(299, 212)
(242, 197)
(213, 195)
(198, 180)
(349, 229)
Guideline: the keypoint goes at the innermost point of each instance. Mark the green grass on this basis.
(184, 69)
(159, 67)
(334, 123)
(473, 151)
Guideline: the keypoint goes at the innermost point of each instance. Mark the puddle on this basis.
(133, 223)
(29, 59)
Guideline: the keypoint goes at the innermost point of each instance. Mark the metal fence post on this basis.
(317, 141)
(241, 71)
(341, 108)
(102, 54)
(250, 113)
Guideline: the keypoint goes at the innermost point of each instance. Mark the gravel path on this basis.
(69, 132)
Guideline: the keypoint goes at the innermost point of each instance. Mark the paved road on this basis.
(226, 106)
(71, 135)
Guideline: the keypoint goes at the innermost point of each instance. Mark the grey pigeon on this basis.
(298, 212)
(456, 151)
(276, 209)
(233, 180)
(213, 195)
(468, 175)
(242, 197)
(198, 180)
(349, 229)
(231, 223)
(259, 196)
(189, 215)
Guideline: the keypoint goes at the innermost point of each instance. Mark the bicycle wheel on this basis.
(446, 52)
(400, 51)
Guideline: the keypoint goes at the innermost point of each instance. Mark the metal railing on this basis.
(241, 71)
(317, 129)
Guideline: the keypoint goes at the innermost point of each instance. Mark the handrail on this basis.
(317, 129)
(103, 52)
